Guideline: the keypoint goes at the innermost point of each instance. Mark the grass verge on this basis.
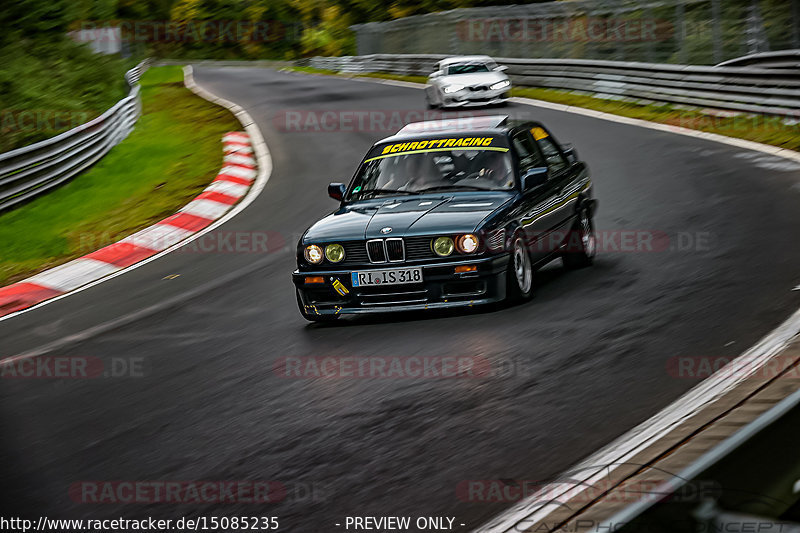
(173, 153)
(758, 128)
(48, 87)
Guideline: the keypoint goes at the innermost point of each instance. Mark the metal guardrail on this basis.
(743, 89)
(37, 168)
(789, 59)
(754, 476)
(696, 32)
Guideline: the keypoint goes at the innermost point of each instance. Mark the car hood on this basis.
(406, 216)
(477, 78)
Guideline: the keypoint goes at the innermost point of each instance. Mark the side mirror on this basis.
(570, 153)
(500, 68)
(435, 74)
(337, 190)
(534, 178)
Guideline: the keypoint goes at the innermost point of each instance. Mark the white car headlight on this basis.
(500, 85)
(313, 254)
(467, 243)
(453, 88)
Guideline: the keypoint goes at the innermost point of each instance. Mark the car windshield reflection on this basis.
(477, 170)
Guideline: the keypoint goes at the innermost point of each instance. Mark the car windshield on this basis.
(466, 68)
(432, 171)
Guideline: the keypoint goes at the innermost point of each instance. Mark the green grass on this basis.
(47, 87)
(173, 153)
(758, 128)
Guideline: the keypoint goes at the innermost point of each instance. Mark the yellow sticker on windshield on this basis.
(438, 145)
(539, 133)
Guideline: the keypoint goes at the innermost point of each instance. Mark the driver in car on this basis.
(422, 173)
(492, 169)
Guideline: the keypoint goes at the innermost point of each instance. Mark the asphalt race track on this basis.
(585, 360)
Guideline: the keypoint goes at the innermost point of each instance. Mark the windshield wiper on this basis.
(386, 191)
(453, 187)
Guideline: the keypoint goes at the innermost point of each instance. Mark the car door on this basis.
(562, 175)
(535, 213)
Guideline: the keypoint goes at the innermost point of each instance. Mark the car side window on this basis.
(528, 155)
(555, 160)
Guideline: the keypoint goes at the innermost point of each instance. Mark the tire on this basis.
(519, 275)
(313, 318)
(581, 242)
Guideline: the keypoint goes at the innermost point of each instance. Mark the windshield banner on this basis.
(432, 145)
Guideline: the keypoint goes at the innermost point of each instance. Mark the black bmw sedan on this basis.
(447, 213)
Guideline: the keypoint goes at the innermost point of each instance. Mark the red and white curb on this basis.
(231, 184)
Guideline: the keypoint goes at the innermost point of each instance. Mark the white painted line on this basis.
(239, 172)
(237, 149)
(158, 237)
(227, 187)
(240, 159)
(262, 177)
(73, 274)
(205, 208)
(235, 136)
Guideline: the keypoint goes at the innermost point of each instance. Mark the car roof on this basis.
(465, 59)
(479, 124)
(489, 124)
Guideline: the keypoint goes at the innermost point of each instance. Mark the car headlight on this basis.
(500, 85)
(334, 252)
(443, 246)
(453, 88)
(313, 254)
(467, 243)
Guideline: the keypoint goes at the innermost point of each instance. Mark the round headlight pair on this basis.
(314, 255)
(444, 246)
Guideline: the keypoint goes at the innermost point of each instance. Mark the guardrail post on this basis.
(716, 30)
(680, 33)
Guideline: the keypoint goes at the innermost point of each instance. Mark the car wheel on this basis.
(581, 242)
(519, 280)
(314, 318)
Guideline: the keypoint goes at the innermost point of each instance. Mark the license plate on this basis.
(395, 276)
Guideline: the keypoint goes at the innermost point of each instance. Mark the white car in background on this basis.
(462, 81)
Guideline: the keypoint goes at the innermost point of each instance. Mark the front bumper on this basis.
(440, 288)
(467, 98)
